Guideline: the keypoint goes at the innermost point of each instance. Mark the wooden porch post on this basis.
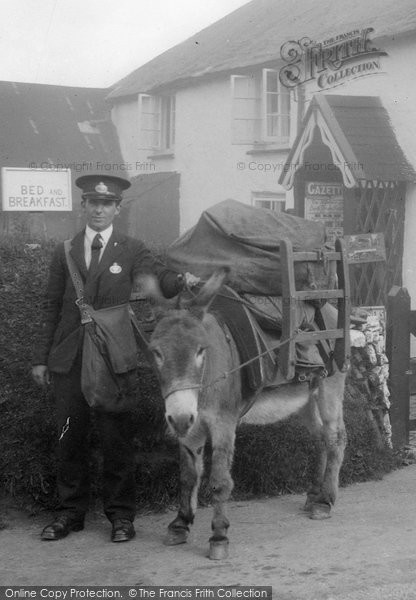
(398, 353)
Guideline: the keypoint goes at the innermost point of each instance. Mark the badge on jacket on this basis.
(115, 268)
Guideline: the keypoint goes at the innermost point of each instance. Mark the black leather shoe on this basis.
(60, 528)
(123, 530)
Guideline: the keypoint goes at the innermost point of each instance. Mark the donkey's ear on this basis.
(209, 290)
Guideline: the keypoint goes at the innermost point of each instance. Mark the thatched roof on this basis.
(254, 34)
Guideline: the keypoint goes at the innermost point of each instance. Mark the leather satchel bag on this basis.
(109, 352)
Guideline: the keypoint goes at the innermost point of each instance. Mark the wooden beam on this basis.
(287, 351)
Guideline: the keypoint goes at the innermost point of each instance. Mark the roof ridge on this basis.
(253, 34)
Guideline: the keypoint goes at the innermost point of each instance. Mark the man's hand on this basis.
(191, 280)
(40, 374)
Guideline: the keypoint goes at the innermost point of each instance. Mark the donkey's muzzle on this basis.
(182, 411)
(181, 424)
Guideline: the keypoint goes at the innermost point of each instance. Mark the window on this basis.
(149, 129)
(261, 109)
(276, 112)
(269, 200)
(246, 109)
(156, 122)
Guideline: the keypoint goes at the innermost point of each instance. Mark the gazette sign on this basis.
(324, 202)
(36, 189)
(345, 56)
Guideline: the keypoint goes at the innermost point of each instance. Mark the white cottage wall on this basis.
(212, 168)
(125, 118)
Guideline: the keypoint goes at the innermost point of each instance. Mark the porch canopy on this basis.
(360, 137)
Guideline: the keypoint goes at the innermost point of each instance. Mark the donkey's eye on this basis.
(157, 354)
(199, 357)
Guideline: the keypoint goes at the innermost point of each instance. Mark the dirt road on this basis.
(367, 550)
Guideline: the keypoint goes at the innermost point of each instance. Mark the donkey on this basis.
(197, 363)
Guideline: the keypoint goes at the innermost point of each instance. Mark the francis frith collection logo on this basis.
(332, 62)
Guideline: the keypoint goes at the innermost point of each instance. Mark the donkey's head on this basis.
(178, 344)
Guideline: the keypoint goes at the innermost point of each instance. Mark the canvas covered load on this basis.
(247, 240)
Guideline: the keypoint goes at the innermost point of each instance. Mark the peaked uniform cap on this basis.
(102, 187)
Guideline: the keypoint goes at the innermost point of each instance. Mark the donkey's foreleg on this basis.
(191, 468)
(221, 484)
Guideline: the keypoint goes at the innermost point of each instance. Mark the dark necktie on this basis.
(95, 255)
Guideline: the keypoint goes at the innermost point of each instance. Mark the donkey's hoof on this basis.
(218, 550)
(319, 512)
(307, 507)
(176, 537)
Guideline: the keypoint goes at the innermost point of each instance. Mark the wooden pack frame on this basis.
(290, 336)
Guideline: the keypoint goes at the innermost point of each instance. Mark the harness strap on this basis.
(142, 341)
(78, 285)
(226, 374)
(181, 389)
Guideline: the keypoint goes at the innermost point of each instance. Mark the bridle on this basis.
(198, 386)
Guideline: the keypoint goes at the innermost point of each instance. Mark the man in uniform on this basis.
(108, 263)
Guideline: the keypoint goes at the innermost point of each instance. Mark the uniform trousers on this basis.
(116, 435)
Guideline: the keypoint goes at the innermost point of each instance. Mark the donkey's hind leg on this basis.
(221, 484)
(324, 418)
(330, 402)
(191, 468)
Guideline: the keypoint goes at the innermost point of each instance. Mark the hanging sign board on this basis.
(36, 190)
(324, 202)
(365, 247)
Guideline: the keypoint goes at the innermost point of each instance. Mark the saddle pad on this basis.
(249, 344)
(268, 311)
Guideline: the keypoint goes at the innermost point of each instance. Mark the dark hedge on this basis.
(269, 460)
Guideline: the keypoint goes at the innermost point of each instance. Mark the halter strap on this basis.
(200, 386)
(182, 389)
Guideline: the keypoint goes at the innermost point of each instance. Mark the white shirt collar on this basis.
(105, 234)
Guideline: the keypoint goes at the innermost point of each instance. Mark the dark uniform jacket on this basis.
(123, 258)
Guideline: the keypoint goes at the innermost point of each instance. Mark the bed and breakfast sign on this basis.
(324, 202)
(36, 190)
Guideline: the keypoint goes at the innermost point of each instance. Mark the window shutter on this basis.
(167, 110)
(149, 122)
(246, 103)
